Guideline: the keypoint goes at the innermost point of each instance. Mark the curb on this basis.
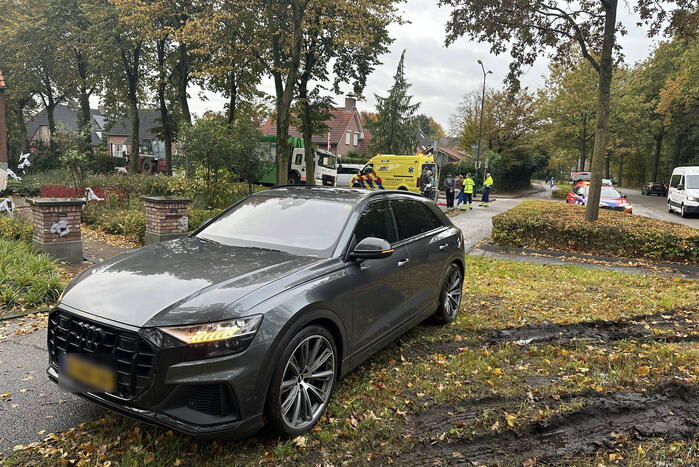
(19, 314)
(609, 259)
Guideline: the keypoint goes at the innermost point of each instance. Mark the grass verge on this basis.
(536, 353)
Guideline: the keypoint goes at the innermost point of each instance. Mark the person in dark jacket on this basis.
(449, 184)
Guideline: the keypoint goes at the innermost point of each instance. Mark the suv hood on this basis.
(183, 281)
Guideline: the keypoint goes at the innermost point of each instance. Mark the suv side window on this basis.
(376, 221)
(413, 218)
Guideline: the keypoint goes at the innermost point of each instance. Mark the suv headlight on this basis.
(219, 338)
(692, 198)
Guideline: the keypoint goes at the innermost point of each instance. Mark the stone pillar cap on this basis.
(164, 199)
(56, 201)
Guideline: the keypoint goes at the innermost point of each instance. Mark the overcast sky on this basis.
(439, 75)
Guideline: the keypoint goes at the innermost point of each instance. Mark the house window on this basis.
(348, 137)
(356, 138)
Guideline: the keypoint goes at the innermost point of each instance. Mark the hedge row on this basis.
(556, 226)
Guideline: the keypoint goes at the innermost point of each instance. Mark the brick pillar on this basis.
(3, 127)
(57, 227)
(166, 218)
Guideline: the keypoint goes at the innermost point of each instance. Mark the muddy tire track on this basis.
(671, 411)
(680, 324)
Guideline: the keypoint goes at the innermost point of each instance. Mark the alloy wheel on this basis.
(307, 382)
(452, 293)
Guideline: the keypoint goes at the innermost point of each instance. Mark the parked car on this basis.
(345, 172)
(683, 194)
(609, 198)
(257, 314)
(654, 188)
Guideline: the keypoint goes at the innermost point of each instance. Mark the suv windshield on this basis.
(301, 226)
(691, 182)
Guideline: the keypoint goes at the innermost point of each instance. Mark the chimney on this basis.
(3, 127)
(350, 102)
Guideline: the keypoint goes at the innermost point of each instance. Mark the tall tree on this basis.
(352, 34)
(393, 132)
(567, 109)
(33, 29)
(532, 28)
(124, 51)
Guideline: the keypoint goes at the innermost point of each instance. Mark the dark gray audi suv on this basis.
(257, 314)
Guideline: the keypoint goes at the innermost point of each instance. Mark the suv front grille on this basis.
(132, 356)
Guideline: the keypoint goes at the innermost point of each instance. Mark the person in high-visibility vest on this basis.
(468, 193)
(487, 186)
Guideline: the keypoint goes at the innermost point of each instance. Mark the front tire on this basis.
(302, 382)
(294, 179)
(683, 211)
(450, 296)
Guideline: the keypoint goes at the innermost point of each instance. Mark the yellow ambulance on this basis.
(393, 172)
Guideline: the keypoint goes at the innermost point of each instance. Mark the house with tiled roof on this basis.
(345, 133)
(65, 117)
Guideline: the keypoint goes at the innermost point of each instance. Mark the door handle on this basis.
(443, 246)
(403, 262)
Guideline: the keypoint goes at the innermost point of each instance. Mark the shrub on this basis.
(21, 189)
(12, 228)
(559, 194)
(27, 278)
(558, 226)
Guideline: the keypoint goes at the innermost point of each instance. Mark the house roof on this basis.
(453, 153)
(338, 122)
(149, 120)
(67, 117)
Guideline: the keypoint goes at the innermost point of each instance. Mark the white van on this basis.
(683, 194)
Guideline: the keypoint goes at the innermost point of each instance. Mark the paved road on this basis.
(656, 207)
(36, 404)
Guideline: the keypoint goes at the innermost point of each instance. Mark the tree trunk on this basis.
(232, 99)
(183, 82)
(602, 127)
(85, 117)
(606, 167)
(308, 144)
(164, 112)
(656, 154)
(583, 149)
(23, 141)
(621, 169)
(677, 150)
(52, 125)
(135, 132)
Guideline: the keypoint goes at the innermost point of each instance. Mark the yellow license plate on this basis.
(94, 376)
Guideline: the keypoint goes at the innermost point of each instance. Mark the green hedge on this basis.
(12, 228)
(557, 226)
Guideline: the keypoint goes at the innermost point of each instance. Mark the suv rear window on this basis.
(413, 218)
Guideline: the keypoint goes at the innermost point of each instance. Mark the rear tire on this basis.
(450, 296)
(302, 382)
(294, 179)
(669, 207)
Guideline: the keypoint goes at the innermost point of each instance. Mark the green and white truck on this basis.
(325, 163)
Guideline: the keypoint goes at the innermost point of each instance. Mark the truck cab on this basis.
(325, 167)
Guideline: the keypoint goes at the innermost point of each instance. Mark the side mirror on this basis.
(372, 248)
(680, 187)
(624, 196)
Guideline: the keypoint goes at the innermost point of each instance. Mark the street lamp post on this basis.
(480, 131)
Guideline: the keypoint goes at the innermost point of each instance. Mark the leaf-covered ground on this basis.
(545, 365)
